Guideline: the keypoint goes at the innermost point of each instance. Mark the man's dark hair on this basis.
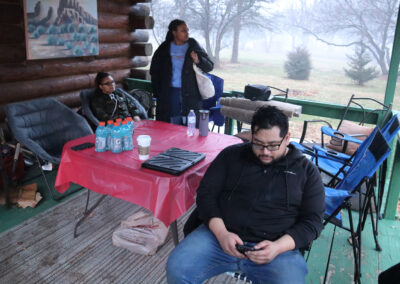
(268, 117)
(173, 27)
(99, 78)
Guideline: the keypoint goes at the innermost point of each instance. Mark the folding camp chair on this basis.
(335, 164)
(368, 158)
(44, 126)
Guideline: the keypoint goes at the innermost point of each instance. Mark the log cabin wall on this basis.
(123, 48)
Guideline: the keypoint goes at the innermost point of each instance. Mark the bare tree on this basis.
(256, 17)
(163, 12)
(214, 18)
(370, 23)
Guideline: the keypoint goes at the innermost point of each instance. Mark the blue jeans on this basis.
(175, 102)
(199, 257)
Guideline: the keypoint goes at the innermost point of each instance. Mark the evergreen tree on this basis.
(298, 65)
(358, 71)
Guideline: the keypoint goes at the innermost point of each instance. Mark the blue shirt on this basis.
(178, 58)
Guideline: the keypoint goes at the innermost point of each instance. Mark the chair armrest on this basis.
(341, 136)
(330, 154)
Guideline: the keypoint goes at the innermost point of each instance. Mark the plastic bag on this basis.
(141, 233)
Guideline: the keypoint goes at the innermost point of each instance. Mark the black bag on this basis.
(144, 98)
(257, 92)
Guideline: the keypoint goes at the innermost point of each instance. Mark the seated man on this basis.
(111, 103)
(265, 195)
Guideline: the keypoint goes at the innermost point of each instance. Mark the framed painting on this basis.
(60, 28)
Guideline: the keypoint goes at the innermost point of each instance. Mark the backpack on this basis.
(145, 98)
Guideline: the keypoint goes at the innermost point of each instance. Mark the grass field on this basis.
(327, 81)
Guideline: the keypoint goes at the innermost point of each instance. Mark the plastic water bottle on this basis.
(127, 143)
(130, 124)
(116, 138)
(110, 125)
(191, 123)
(101, 138)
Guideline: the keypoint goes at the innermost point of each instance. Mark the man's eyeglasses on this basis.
(108, 83)
(273, 147)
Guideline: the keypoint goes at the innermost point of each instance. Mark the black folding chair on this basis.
(44, 126)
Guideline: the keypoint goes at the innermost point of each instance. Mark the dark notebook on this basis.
(173, 161)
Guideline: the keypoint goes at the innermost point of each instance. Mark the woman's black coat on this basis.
(161, 76)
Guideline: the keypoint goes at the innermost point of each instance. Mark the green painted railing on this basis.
(326, 110)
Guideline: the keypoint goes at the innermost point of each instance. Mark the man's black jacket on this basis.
(260, 202)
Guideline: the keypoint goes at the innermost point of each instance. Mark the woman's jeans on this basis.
(175, 102)
(199, 257)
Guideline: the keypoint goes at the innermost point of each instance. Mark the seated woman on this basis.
(111, 103)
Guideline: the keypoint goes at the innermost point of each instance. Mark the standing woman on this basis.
(172, 76)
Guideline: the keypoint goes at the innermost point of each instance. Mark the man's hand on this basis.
(226, 239)
(228, 243)
(269, 250)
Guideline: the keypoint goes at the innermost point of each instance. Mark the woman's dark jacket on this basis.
(263, 202)
(161, 76)
(105, 108)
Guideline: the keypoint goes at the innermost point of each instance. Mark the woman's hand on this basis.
(194, 56)
(136, 118)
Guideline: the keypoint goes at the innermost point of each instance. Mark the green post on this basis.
(394, 187)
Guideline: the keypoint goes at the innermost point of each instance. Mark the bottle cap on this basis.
(110, 121)
(102, 123)
(118, 120)
(128, 118)
(116, 123)
(124, 122)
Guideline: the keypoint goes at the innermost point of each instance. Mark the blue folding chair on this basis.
(212, 104)
(367, 159)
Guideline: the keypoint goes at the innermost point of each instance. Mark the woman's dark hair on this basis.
(99, 78)
(172, 27)
(268, 117)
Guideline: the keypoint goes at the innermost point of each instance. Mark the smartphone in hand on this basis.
(244, 248)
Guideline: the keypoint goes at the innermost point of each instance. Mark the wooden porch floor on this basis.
(43, 250)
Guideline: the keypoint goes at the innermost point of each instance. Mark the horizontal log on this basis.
(71, 99)
(140, 74)
(26, 90)
(11, 53)
(115, 50)
(117, 36)
(142, 49)
(140, 10)
(63, 67)
(139, 22)
(107, 6)
(11, 13)
(10, 34)
(140, 61)
(111, 21)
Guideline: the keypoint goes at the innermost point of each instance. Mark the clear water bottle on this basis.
(127, 143)
(191, 123)
(110, 125)
(101, 138)
(130, 124)
(116, 138)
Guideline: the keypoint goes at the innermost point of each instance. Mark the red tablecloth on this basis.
(120, 175)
